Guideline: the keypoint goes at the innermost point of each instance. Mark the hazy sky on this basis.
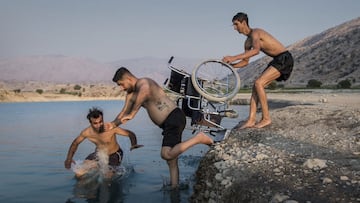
(110, 30)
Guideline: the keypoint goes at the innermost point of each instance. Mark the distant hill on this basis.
(329, 57)
(61, 69)
(65, 69)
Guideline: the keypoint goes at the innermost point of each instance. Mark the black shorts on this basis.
(173, 127)
(284, 63)
(114, 158)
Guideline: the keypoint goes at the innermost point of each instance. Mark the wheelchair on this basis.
(204, 95)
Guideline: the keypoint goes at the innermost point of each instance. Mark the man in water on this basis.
(145, 92)
(104, 141)
(278, 69)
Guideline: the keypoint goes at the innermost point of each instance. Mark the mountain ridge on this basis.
(330, 56)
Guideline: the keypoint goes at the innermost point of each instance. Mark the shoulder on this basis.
(86, 132)
(258, 30)
(143, 82)
(146, 84)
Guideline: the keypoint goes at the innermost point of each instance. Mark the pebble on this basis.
(294, 154)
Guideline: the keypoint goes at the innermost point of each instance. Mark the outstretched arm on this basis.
(131, 136)
(72, 149)
(252, 47)
(133, 102)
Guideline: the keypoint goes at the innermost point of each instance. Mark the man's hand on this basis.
(125, 119)
(135, 146)
(227, 59)
(68, 163)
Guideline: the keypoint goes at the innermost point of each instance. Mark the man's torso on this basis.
(158, 104)
(104, 141)
(268, 44)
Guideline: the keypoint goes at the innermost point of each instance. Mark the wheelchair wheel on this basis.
(215, 80)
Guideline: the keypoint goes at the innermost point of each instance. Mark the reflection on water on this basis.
(97, 181)
(95, 187)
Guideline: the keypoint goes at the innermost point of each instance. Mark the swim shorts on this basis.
(114, 158)
(173, 127)
(284, 63)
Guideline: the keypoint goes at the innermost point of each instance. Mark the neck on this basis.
(249, 33)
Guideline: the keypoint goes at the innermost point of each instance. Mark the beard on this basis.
(102, 129)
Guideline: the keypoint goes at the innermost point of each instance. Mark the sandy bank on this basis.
(311, 153)
(49, 97)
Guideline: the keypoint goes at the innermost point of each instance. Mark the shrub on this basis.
(77, 87)
(314, 84)
(39, 91)
(344, 84)
(62, 91)
(272, 85)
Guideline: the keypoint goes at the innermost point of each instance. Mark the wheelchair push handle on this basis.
(170, 60)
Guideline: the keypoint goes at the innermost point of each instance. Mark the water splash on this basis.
(100, 179)
(103, 164)
(100, 169)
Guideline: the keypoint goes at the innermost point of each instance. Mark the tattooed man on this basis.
(145, 92)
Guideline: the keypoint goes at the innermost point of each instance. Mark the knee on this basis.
(165, 155)
(259, 84)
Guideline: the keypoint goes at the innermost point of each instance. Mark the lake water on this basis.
(34, 140)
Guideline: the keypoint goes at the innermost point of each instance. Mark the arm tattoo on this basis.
(117, 122)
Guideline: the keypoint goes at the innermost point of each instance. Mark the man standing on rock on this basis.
(278, 69)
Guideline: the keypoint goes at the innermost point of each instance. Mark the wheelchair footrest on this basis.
(220, 135)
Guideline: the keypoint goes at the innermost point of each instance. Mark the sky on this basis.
(111, 30)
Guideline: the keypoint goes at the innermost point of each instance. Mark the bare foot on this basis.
(248, 124)
(263, 123)
(204, 139)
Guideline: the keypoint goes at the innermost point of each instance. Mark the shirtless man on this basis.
(145, 92)
(278, 69)
(104, 141)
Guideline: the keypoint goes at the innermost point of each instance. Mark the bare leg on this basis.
(252, 114)
(265, 79)
(171, 154)
(174, 172)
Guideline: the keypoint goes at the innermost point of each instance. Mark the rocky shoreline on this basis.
(310, 153)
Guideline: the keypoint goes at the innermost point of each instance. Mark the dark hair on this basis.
(94, 113)
(120, 73)
(241, 17)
